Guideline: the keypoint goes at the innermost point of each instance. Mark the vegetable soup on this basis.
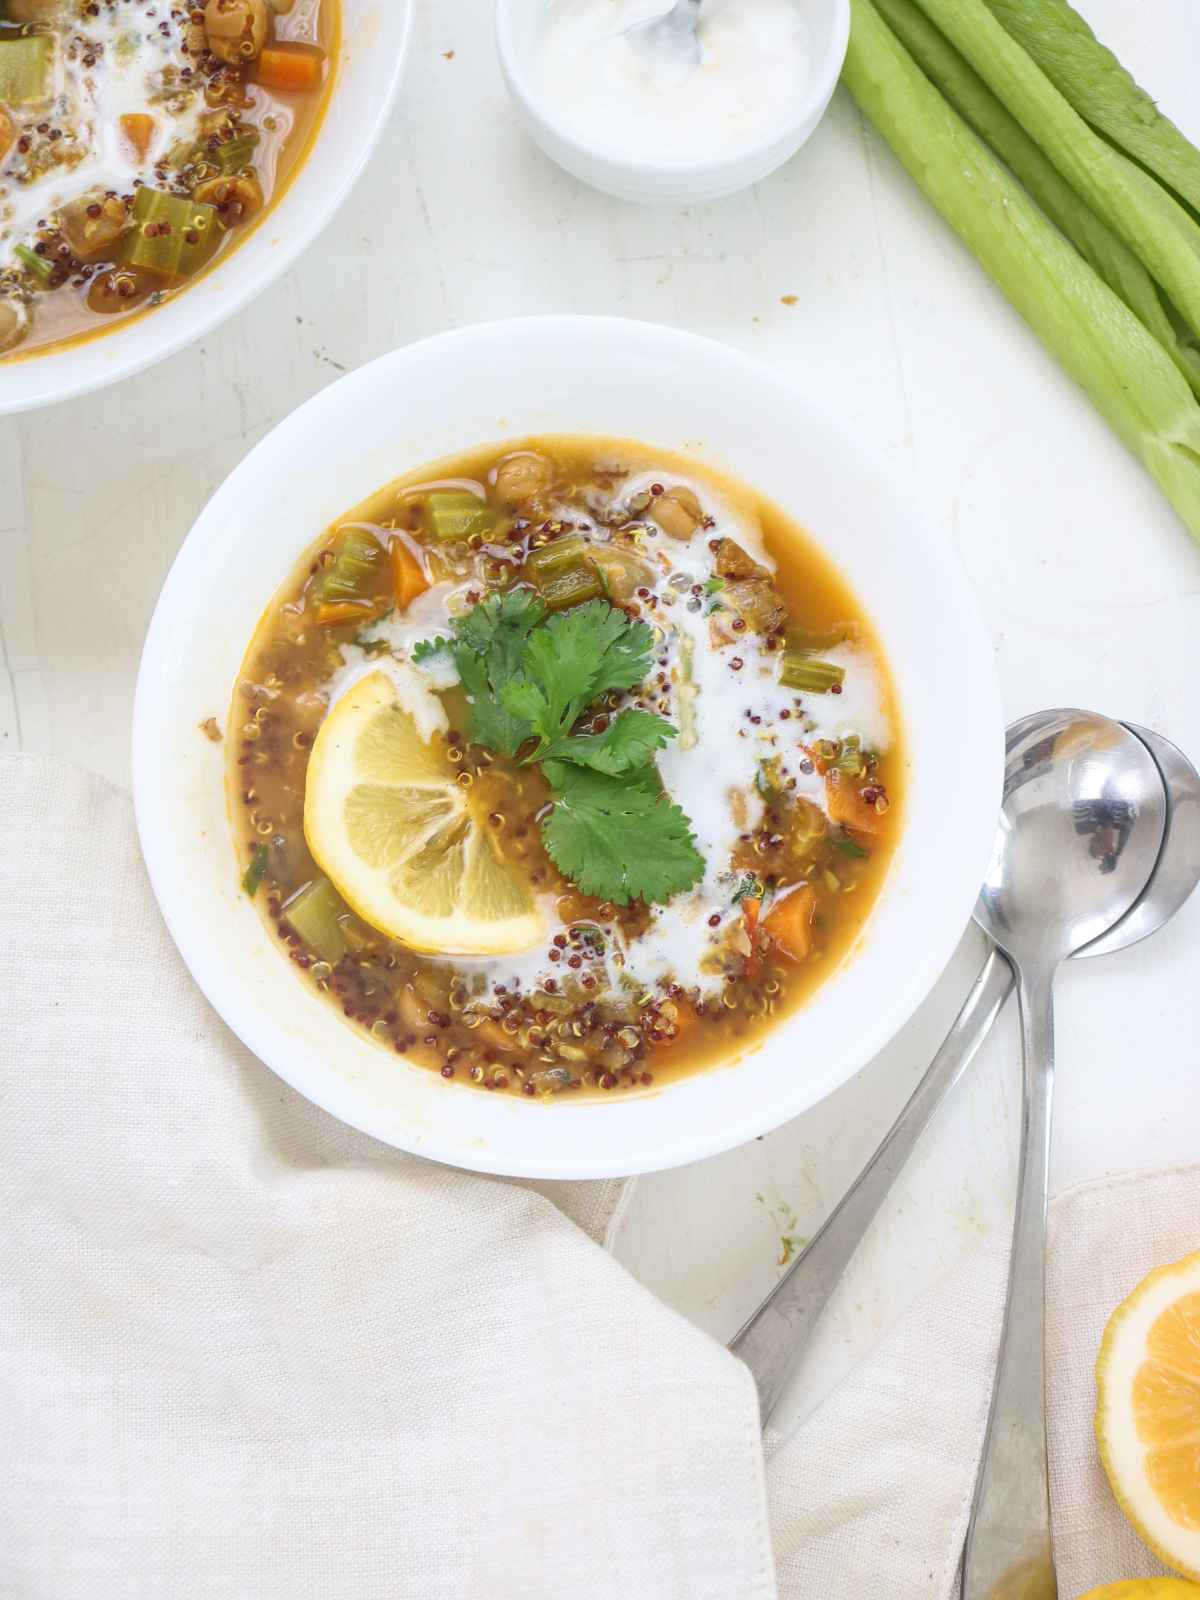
(565, 767)
(139, 139)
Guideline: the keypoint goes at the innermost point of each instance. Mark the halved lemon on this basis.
(1148, 1411)
(387, 820)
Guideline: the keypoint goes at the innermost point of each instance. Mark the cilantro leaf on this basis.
(619, 838)
(629, 742)
(572, 659)
(488, 645)
(425, 648)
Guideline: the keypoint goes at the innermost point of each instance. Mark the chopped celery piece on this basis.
(797, 671)
(454, 515)
(358, 559)
(1096, 242)
(550, 558)
(316, 913)
(256, 871)
(41, 267)
(1152, 223)
(571, 587)
(233, 156)
(800, 638)
(172, 236)
(1076, 315)
(850, 758)
(1087, 74)
(25, 65)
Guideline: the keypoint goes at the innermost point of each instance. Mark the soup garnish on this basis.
(137, 141)
(565, 767)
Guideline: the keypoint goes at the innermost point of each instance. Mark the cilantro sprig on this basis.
(530, 677)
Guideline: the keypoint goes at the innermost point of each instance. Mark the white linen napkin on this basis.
(249, 1354)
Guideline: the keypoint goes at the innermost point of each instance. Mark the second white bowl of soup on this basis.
(159, 168)
(590, 801)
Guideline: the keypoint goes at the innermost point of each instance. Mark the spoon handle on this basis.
(1008, 1538)
(771, 1342)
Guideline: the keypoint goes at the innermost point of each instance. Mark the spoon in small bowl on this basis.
(773, 1339)
(674, 37)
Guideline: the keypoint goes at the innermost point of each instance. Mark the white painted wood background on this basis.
(1090, 586)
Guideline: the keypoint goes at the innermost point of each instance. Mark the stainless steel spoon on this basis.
(673, 37)
(1081, 828)
(773, 1339)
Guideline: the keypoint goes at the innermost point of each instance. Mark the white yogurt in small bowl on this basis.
(656, 130)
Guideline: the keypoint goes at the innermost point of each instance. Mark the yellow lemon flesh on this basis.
(1148, 1415)
(388, 822)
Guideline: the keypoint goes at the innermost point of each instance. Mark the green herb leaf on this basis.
(488, 648)
(851, 847)
(575, 657)
(430, 647)
(748, 889)
(629, 742)
(256, 871)
(619, 838)
(712, 585)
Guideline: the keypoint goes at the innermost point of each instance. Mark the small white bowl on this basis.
(374, 43)
(676, 183)
(506, 380)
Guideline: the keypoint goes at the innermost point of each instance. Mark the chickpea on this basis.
(13, 324)
(236, 29)
(120, 290)
(522, 477)
(8, 134)
(237, 199)
(677, 513)
(92, 224)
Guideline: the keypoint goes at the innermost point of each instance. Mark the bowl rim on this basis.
(148, 350)
(687, 1141)
(824, 80)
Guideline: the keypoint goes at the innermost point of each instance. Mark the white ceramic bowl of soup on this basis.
(662, 171)
(374, 42)
(612, 378)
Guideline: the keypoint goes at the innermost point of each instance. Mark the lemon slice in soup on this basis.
(387, 821)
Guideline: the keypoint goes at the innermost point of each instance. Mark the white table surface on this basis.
(1090, 586)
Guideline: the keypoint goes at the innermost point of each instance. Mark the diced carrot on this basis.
(334, 614)
(408, 580)
(750, 910)
(789, 922)
(846, 804)
(138, 129)
(294, 67)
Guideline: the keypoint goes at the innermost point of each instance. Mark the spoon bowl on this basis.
(1081, 827)
(1177, 870)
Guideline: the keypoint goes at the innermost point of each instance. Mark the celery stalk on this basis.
(1095, 240)
(25, 69)
(1099, 341)
(172, 236)
(1087, 74)
(1152, 223)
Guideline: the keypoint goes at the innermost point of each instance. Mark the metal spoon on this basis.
(773, 1339)
(674, 36)
(1080, 830)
